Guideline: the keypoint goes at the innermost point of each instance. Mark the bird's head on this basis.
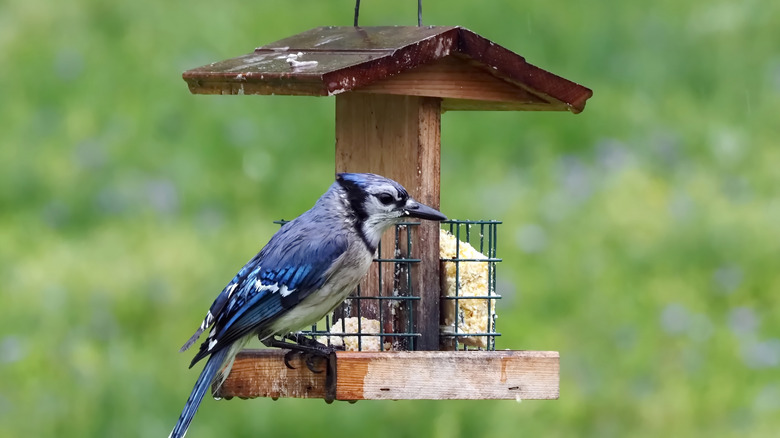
(378, 202)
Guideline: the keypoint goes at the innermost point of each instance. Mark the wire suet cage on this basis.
(383, 320)
(380, 319)
(468, 276)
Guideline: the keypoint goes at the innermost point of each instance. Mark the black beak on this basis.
(422, 211)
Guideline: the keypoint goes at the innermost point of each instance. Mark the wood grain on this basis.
(453, 77)
(398, 137)
(262, 373)
(447, 375)
(407, 60)
(401, 375)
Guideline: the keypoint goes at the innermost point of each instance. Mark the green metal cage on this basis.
(469, 285)
(382, 318)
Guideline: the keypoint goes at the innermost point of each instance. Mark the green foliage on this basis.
(640, 238)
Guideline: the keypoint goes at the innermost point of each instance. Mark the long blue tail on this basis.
(201, 386)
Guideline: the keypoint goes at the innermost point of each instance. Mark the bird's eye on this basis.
(385, 198)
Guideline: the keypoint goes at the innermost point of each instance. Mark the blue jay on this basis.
(307, 269)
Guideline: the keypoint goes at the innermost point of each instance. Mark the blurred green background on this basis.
(641, 238)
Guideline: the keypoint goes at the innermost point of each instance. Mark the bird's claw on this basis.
(287, 357)
(310, 358)
(309, 348)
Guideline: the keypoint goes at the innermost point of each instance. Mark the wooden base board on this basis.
(398, 375)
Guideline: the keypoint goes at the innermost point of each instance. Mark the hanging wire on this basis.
(357, 11)
(419, 13)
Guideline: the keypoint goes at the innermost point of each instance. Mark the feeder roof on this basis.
(467, 71)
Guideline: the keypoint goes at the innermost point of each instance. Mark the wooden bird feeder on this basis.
(391, 85)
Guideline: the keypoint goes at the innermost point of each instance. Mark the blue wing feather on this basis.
(219, 303)
(245, 306)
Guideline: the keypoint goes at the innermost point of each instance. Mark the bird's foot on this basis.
(311, 350)
(313, 361)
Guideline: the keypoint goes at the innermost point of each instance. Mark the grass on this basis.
(640, 237)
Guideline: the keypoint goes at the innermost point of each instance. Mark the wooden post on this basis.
(399, 137)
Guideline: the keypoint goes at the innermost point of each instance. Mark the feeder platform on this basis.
(397, 375)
